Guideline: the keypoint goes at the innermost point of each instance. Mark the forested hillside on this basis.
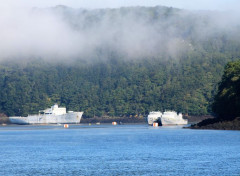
(175, 66)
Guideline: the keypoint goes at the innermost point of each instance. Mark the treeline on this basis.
(114, 88)
(226, 104)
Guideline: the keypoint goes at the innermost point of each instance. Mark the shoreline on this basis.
(217, 124)
(195, 122)
(120, 120)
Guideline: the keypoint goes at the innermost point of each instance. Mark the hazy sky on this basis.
(185, 4)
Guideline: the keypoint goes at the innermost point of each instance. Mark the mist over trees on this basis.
(116, 62)
(65, 34)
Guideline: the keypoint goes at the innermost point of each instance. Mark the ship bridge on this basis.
(55, 110)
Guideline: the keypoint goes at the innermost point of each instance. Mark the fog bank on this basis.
(63, 33)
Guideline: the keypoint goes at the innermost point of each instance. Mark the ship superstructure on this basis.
(166, 118)
(51, 115)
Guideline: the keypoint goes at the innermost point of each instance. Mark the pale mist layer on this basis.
(63, 33)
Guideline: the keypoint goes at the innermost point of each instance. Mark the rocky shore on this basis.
(141, 119)
(4, 119)
(217, 124)
(197, 119)
(199, 122)
(106, 119)
(114, 119)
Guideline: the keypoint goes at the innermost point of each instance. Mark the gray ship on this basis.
(53, 115)
(154, 116)
(166, 118)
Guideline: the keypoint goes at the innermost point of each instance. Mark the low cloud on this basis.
(63, 33)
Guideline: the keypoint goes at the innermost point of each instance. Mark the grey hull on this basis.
(71, 117)
(166, 122)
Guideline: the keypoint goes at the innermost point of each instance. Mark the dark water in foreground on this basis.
(117, 150)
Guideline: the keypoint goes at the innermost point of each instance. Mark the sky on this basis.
(91, 4)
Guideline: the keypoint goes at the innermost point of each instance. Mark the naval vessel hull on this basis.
(71, 117)
(169, 122)
(166, 118)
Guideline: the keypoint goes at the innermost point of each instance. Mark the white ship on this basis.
(52, 115)
(154, 116)
(167, 118)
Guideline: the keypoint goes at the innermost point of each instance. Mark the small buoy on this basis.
(114, 123)
(155, 124)
(66, 126)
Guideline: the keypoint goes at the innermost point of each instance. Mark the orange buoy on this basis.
(66, 126)
(114, 123)
(155, 124)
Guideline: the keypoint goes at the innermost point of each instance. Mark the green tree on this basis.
(227, 101)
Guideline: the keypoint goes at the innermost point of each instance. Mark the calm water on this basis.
(117, 150)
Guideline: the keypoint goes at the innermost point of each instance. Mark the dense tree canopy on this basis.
(114, 88)
(227, 101)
